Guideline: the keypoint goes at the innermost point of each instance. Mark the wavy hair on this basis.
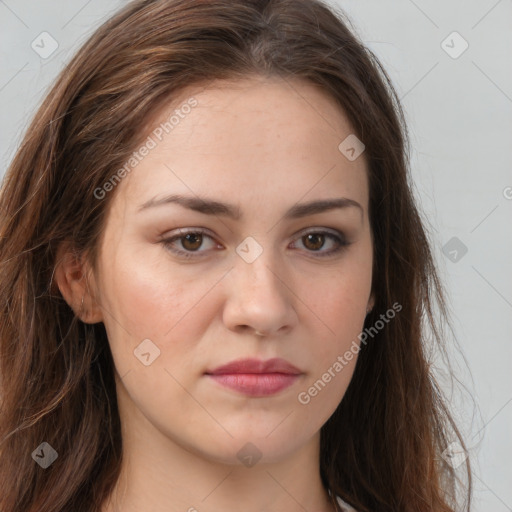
(382, 448)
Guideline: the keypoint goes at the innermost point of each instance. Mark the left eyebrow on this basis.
(215, 207)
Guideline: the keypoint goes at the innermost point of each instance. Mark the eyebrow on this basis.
(213, 207)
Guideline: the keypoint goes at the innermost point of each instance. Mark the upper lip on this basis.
(275, 365)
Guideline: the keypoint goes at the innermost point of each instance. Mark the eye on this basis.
(314, 240)
(191, 241)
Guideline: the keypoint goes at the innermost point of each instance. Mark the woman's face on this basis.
(176, 310)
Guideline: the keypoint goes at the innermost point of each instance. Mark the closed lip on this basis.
(275, 365)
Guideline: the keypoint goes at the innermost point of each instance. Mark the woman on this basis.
(215, 276)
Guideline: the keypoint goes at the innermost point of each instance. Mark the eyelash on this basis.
(167, 242)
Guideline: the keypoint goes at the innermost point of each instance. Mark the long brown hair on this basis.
(381, 449)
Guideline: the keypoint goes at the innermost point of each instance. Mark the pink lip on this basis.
(276, 365)
(254, 377)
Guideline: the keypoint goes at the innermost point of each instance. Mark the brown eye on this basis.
(192, 241)
(315, 241)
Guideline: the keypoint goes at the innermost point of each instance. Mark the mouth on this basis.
(253, 377)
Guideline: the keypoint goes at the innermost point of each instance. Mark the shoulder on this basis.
(346, 507)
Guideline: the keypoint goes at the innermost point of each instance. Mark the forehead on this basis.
(256, 137)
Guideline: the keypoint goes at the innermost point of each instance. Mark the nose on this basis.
(260, 297)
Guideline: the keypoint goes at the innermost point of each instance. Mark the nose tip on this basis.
(259, 302)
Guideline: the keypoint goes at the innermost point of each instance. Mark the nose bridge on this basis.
(259, 297)
(259, 265)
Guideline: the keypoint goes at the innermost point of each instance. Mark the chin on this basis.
(246, 448)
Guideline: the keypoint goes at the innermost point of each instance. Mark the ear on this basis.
(75, 280)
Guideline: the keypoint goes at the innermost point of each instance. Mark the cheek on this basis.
(342, 314)
(146, 297)
(334, 351)
(144, 301)
(339, 300)
(339, 305)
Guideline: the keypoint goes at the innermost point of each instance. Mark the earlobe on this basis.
(74, 280)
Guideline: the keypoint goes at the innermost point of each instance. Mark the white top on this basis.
(345, 506)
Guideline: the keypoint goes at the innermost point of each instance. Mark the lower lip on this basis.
(256, 384)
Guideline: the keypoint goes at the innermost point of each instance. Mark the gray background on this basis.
(459, 110)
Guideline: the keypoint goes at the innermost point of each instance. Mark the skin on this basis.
(265, 145)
